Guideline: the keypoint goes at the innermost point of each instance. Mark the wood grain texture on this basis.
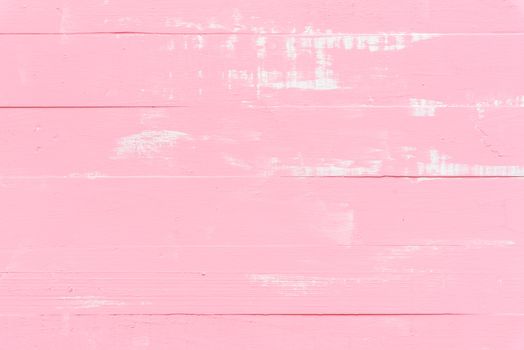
(263, 332)
(248, 16)
(256, 246)
(258, 142)
(239, 174)
(263, 211)
(327, 70)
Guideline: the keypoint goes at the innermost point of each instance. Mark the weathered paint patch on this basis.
(424, 108)
(148, 144)
(440, 165)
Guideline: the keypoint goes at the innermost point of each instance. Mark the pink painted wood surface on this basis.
(236, 141)
(248, 16)
(325, 70)
(256, 246)
(262, 211)
(245, 174)
(263, 332)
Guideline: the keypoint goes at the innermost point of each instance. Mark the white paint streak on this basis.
(237, 163)
(92, 302)
(261, 47)
(370, 42)
(508, 102)
(323, 167)
(147, 144)
(231, 42)
(175, 22)
(440, 165)
(292, 285)
(424, 108)
(300, 49)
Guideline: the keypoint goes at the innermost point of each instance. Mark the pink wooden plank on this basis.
(231, 141)
(223, 217)
(332, 70)
(282, 245)
(276, 279)
(260, 16)
(72, 261)
(259, 211)
(268, 293)
(263, 332)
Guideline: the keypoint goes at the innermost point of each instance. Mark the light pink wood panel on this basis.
(243, 211)
(262, 246)
(237, 141)
(263, 332)
(332, 70)
(27, 16)
(251, 294)
(228, 216)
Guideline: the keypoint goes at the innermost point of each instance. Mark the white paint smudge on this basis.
(408, 152)
(508, 102)
(175, 22)
(65, 21)
(316, 45)
(199, 42)
(93, 175)
(148, 144)
(440, 165)
(296, 285)
(370, 42)
(236, 162)
(479, 243)
(292, 285)
(323, 167)
(261, 47)
(92, 302)
(340, 225)
(231, 42)
(424, 108)
(324, 79)
(149, 116)
(416, 37)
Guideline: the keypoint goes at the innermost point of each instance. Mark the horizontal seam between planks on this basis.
(254, 106)
(262, 314)
(306, 35)
(109, 177)
(117, 246)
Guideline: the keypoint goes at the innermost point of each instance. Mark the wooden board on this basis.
(255, 246)
(377, 70)
(248, 16)
(263, 332)
(239, 174)
(258, 142)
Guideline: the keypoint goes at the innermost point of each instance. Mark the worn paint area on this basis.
(241, 174)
